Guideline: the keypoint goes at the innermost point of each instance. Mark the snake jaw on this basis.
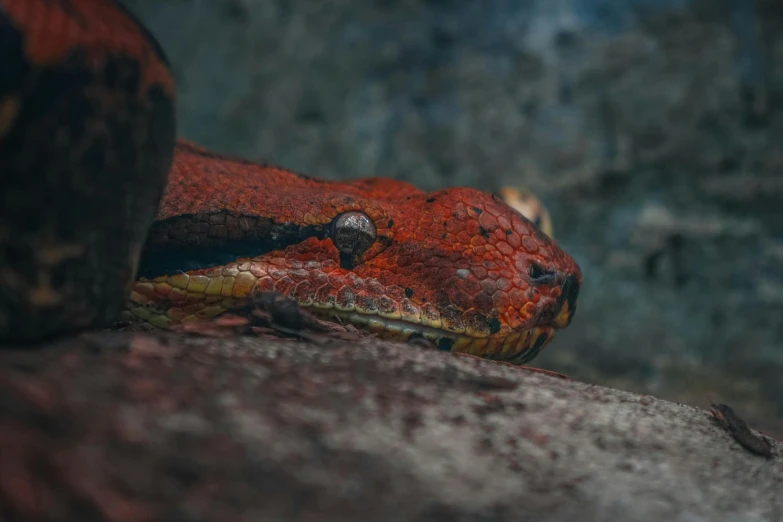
(518, 347)
(391, 311)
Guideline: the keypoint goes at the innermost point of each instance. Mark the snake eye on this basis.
(353, 232)
(540, 276)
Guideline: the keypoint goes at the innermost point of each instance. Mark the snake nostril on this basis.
(539, 276)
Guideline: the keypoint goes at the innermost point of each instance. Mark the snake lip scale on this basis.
(225, 288)
(516, 348)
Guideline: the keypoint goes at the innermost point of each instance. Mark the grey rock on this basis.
(145, 426)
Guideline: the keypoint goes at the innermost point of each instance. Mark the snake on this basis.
(107, 213)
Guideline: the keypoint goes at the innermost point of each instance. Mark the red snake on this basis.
(457, 266)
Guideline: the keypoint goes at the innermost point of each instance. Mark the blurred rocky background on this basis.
(650, 128)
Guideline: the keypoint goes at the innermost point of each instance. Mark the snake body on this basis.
(86, 138)
(457, 266)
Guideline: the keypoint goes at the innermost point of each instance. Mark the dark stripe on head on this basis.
(194, 242)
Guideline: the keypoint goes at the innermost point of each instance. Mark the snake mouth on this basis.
(181, 298)
(517, 347)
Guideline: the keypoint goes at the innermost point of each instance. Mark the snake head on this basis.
(458, 266)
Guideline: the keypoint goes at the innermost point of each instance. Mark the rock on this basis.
(150, 426)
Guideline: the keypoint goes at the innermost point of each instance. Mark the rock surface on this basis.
(148, 426)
